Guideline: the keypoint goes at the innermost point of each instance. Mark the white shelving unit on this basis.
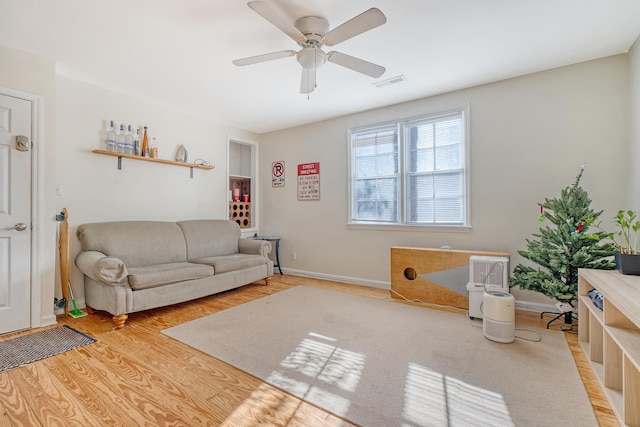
(242, 175)
(610, 338)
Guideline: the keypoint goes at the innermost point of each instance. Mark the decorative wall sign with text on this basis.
(309, 181)
(277, 172)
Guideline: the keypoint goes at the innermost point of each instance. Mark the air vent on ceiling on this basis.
(391, 81)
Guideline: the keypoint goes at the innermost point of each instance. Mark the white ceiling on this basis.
(179, 52)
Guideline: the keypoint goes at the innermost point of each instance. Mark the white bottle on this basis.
(128, 141)
(111, 137)
(153, 151)
(120, 140)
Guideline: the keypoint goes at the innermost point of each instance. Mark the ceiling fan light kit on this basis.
(311, 58)
(311, 33)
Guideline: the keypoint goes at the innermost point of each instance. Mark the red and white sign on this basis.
(309, 181)
(277, 172)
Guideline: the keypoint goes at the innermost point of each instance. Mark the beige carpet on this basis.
(380, 363)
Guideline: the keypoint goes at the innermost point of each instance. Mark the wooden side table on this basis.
(275, 239)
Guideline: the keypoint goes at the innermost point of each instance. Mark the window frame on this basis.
(403, 173)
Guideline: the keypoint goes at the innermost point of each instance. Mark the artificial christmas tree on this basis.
(561, 250)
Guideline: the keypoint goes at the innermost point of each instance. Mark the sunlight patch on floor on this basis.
(433, 399)
(318, 358)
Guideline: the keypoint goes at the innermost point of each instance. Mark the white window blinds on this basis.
(376, 174)
(412, 172)
(434, 171)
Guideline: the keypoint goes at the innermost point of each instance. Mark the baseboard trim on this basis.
(536, 306)
(344, 279)
(521, 305)
(48, 320)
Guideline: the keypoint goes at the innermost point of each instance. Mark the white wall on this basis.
(529, 136)
(634, 149)
(92, 187)
(35, 76)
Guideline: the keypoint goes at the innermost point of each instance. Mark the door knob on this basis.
(21, 226)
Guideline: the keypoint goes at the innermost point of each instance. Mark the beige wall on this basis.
(634, 149)
(529, 136)
(74, 116)
(92, 187)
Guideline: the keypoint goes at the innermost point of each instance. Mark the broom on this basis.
(75, 313)
(63, 245)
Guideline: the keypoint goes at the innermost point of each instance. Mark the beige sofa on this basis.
(131, 266)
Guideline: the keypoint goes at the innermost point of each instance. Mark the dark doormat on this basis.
(20, 351)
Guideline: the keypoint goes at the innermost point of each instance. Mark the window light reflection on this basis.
(433, 399)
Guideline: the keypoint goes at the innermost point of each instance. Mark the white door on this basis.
(15, 214)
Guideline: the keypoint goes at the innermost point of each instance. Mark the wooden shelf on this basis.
(592, 308)
(120, 156)
(610, 338)
(629, 340)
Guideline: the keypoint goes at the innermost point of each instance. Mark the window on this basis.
(412, 172)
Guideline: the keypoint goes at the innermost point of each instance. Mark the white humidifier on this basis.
(499, 321)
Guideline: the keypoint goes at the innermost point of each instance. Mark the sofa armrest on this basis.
(102, 268)
(256, 247)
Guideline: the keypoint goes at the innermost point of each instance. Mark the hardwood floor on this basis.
(138, 376)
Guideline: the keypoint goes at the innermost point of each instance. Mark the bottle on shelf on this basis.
(144, 149)
(128, 141)
(136, 143)
(120, 144)
(153, 150)
(111, 137)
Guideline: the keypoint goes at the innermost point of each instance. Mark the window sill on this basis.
(410, 227)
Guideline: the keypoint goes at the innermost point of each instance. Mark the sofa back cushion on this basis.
(210, 237)
(136, 243)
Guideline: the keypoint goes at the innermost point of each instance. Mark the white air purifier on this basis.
(486, 273)
(499, 321)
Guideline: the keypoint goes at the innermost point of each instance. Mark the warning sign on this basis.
(277, 171)
(309, 181)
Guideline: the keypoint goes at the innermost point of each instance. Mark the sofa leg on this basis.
(119, 320)
(90, 310)
(267, 281)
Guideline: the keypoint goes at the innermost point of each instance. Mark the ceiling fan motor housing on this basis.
(313, 27)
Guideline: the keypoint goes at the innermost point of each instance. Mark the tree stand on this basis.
(568, 318)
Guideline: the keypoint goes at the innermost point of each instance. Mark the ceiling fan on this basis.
(311, 33)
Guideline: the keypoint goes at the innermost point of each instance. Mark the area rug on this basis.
(383, 363)
(25, 349)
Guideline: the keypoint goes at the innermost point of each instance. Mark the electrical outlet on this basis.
(58, 190)
(294, 256)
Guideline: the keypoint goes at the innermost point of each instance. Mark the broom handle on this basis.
(64, 259)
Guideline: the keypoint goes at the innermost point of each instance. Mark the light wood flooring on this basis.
(137, 376)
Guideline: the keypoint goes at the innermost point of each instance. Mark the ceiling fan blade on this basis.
(366, 21)
(356, 64)
(264, 57)
(308, 81)
(271, 15)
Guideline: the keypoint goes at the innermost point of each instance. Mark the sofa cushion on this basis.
(136, 243)
(224, 264)
(210, 237)
(164, 274)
